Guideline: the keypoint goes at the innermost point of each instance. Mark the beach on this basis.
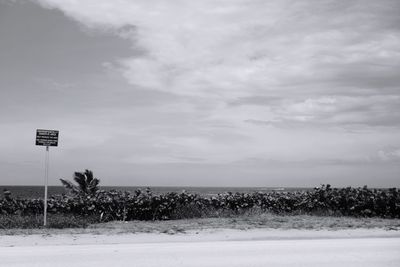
(206, 247)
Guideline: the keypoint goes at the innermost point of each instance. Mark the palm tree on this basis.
(86, 183)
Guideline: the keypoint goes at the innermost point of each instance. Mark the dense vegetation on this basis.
(145, 205)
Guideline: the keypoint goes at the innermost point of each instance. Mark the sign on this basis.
(46, 137)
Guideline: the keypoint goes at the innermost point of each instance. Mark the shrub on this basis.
(145, 205)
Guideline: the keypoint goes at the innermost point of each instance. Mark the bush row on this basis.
(145, 205)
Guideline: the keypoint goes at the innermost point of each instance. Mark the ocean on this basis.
(38, 191)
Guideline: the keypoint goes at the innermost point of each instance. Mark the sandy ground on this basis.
(217, 247)
(207, 235)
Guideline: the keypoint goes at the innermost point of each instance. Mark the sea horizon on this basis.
(37, 191)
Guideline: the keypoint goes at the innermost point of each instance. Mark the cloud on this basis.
(257, 72)
(323, 111)
(235, 48)
(389, 154)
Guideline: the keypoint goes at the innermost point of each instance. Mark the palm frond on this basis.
(87, 184)
(69, 186)
(81, 180)
(89, 176)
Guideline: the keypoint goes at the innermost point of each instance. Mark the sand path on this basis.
(206, 248)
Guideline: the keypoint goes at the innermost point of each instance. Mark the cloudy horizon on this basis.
(202, 93)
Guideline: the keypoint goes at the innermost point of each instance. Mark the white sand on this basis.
(262, 247)
(190, 236)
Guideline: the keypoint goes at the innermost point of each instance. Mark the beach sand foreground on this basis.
(210, 247)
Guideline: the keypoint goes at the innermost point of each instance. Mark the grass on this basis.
(57, 221)
(245, 222)
(252, 220)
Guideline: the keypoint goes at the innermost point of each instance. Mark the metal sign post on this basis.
(46, 182)
(46, 138)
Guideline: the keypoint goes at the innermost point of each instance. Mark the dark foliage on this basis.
(87, 184)
(144, 205)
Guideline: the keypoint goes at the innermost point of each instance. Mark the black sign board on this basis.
(46, 137)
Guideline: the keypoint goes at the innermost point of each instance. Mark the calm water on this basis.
(38, 191)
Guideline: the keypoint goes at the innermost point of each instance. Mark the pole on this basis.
(46, 181)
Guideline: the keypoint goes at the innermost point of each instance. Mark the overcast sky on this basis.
(202, 93)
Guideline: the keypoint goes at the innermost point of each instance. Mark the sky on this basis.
(202, 93)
